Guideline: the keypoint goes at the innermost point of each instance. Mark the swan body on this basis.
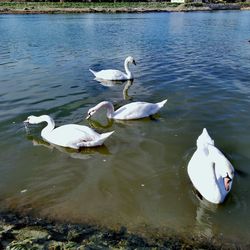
(116, 75)
(70, 135)
(210, 171)
(131, 111)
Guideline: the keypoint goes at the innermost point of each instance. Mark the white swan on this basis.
(131, 111)
(113, 74)
(71, 135)
(210, 171)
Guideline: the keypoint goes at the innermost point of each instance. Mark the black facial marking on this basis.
(230, 179)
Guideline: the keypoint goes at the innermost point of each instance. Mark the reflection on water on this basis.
(83, 153)
(204, 224)
(97, 125)
(109, 83)
(125, 90)
(198, 61)
(127, 84)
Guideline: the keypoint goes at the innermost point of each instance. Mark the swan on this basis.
(131, 111)
(210, 171)
(113, 74)
(70, 135)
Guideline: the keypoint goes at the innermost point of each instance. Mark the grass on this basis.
(245, 4)
(42, 5)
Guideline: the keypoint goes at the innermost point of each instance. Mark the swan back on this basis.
(210, 171)
(76, 136)
(137, 110)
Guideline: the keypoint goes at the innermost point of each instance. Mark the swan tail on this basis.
(93, 72)
(104, 136)
(93, 143)
(204, 139)
(162, 103)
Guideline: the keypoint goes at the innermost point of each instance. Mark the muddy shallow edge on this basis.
(22, 231)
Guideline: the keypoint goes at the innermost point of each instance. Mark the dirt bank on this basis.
(46, 9)
(25, 232)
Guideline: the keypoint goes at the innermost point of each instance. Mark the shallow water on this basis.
(199, 61)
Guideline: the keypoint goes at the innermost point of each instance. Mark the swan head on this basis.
(225, 170)
(130, 59)
(228, 182)
(32, 119)
(108, 105)
(228, 175)
(38, 119)
(91, 112)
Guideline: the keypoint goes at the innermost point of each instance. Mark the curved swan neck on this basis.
(50, 124)
(217, 183)
(109, 106)
(127, 70)
(125, 89)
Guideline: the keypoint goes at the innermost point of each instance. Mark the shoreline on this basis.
(39, 8)
(21, 231)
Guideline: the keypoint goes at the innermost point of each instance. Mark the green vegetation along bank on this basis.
(105, 7)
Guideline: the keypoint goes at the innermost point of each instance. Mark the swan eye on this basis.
(91, 112)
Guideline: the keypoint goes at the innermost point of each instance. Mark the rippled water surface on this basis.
(199, 61)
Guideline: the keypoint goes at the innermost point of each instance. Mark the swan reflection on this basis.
(99, 125)
(82, 153)
(110, 84)
(204, 215)
(125, 90)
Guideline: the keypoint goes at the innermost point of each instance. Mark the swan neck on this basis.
(109, 107)
(217, 184)
(50, 125)
(127, 70)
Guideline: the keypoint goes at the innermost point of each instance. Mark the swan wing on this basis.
(111, 74)
(201, 174)
(223, 165)
(70, 135)
(135, 110)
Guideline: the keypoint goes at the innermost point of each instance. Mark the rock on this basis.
(31, 233)
(5, 9)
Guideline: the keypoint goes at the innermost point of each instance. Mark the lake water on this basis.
(199, 61)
